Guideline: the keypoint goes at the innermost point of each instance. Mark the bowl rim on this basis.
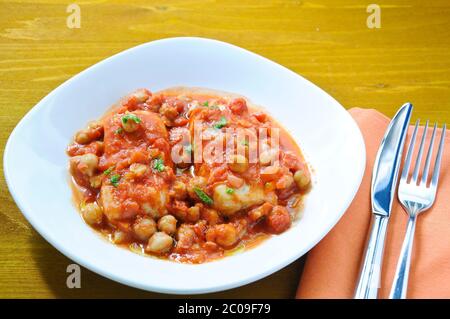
(38, 226)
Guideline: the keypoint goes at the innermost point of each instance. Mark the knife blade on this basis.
(384, 182)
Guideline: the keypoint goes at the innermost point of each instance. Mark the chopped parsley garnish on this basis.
(221, 123)
(115, 180)
(203, 196)
(158, 164)
(130, 117)
(108, 171)
(206, 104)
(229, 190)
(118, 131)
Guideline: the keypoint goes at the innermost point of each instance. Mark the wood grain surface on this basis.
(328, 42)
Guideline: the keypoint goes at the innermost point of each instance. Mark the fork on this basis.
(416, 196)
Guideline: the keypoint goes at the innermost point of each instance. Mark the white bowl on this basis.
(35, 161)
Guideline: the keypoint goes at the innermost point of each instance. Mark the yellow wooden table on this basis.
(328, 42)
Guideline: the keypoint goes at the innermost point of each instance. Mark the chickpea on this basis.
(268, 157)
(167, 224)
(210, 215)
(159, 243)
(225, 235)
(234, 181)
(95, 125)
(179, 209)
(82, 137)
(261, 211)
(154, 103)
(193, 213)
(278, 220)
(169, 111)
(138, 169)
(151, 211)
(93, 131)
(195, 182)
(130, 122)
(120, 237)
(92, 213)
(269, 173)
(210, 246)
(179, 190)
(90, 163)
(285, 181)
(239, 163)
(141, 95)
(144, 228)
(87, 164)
(302, 179)
(185, 236)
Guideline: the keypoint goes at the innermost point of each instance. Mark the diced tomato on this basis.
(139, 156)
(78, 149)
(260, 116)
(218, 174)
(238, 106)
(270, 173)
(278, 220)
(259, 212)
(179, 209)
(155, 102)
(131, 104)
(291, 161)
(180, 121)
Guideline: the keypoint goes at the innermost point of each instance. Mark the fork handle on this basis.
(369, 279)
(400, 284)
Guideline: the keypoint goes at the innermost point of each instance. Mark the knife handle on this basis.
(369, 278)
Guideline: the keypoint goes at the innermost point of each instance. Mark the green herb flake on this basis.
(203, 196)
(118, 131)
(108, 171)
(221, 123)
(130, 117)
(229, 190)
(158, 164)
(115, 180)
(206, 104)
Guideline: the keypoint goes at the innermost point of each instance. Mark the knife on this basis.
(384, 181)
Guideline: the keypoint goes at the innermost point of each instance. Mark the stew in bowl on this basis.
(187, 174)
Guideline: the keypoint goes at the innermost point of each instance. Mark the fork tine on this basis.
(428, 159)
(437, 163)
(410, 152)
(419, 154)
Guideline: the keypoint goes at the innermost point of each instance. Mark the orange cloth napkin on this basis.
(332, 267)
